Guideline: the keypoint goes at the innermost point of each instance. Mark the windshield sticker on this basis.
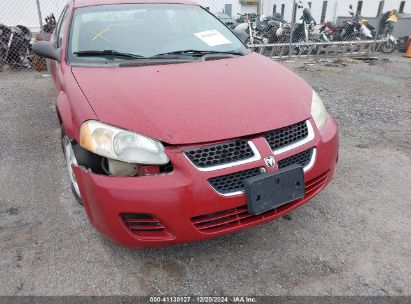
(100, 34)
(213, 38)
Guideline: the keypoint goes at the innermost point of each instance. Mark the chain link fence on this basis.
(22, 22)
(303, 36)
(271, 33)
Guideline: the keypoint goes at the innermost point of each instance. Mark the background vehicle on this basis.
(358, 28)
(302, 31)
(227, 20)
(5, 35)
(385, 31)
(244, 18)
(50, 25)
(15, 46)
(304, 26)
(249, 28)
(268, 30)
(268, 27)
(349, 30)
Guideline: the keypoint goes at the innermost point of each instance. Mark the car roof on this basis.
(84, 3)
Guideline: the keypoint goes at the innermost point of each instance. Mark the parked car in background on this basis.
(165, 139)
(15, 46)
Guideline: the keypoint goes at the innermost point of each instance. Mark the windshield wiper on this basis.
(198, 53)
(106, 53)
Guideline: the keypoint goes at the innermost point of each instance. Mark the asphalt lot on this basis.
(353, 239)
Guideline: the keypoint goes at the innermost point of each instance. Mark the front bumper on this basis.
(184, 202)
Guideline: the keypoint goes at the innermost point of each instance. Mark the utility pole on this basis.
(39, 14)
(261, 7)
(335, 11)
(292, 30)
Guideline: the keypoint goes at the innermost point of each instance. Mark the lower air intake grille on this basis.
(221, 154)
(233, 182)
(280, 138)
(302, 159)
(143, 225)
(239, 216)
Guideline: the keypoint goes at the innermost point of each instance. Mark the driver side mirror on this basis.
(46, 49)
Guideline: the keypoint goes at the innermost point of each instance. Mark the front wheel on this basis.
(71, 160)
(280, 50)
(388, 47)
(261, 49)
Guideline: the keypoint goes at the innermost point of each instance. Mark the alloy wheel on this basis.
(70, 161)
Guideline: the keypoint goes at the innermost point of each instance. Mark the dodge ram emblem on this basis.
(269, 161)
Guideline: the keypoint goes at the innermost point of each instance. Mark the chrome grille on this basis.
(303, 159)
(283, 137)
(232, 183)
(220, 154)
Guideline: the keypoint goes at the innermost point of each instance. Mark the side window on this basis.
(59, 33)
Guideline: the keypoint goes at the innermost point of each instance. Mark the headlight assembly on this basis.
(318, 111)
(122, 145)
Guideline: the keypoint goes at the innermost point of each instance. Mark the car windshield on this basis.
(141, 31)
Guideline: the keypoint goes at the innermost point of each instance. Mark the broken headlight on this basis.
(121, 145)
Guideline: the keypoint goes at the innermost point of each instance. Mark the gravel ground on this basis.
(353, 239)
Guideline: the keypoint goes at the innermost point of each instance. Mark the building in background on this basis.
(322, 10)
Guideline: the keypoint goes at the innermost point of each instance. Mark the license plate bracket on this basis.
(271, 190)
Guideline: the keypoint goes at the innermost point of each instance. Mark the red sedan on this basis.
(173, 130)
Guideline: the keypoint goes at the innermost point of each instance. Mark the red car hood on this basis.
(200, 101)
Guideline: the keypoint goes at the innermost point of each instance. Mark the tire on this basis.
(76, 196)
(260, 50)
(317, 48)
(388, 47)
(284, 49)
(277, 50)
(69, 156)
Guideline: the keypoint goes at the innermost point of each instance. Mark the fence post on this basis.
(39, 15)
(261, 5)
(335, 11)
(377, 33)
(292, 29)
